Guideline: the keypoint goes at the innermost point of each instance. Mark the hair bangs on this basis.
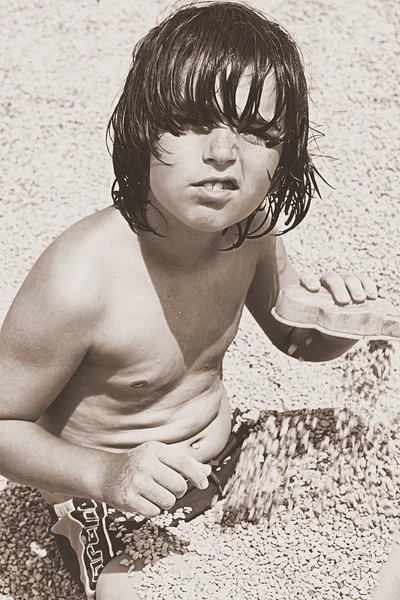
(200, 85)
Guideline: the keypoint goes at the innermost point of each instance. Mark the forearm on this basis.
(32, 456)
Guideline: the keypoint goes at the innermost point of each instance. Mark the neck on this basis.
(180, 248)
(179, 252)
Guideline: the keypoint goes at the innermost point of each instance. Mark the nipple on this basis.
(195, 445)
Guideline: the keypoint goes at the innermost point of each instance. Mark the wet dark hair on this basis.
(175, 71)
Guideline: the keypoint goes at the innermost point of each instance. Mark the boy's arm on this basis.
(48, 331)
(273, 272)
(45, 336)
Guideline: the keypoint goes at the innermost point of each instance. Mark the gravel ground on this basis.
(64, 64)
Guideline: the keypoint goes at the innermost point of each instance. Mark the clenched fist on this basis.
(150, 478)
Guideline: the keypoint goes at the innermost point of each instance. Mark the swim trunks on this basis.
(85, 531)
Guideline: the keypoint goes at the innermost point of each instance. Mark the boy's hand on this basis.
(346, 288)
(349, 287)
(150, 478)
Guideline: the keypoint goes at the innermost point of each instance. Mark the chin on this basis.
(208, 228)
(215, 227)
(215, 221)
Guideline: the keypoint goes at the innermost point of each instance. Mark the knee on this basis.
(115, 584)
(117, 587)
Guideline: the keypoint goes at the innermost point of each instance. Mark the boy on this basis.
(111, 354)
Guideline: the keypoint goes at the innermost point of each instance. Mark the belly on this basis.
(200, 429)
(207, 442)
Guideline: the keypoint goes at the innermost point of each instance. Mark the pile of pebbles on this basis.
(30, 567)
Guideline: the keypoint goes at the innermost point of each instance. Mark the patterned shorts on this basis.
(82, 529)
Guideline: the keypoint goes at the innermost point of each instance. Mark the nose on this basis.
(221, 147)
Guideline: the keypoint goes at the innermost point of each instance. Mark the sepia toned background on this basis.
(63, 65)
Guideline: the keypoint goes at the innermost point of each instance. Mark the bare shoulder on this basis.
(273, 272)
(77, 263)
(55, 316)
(65, 291)
(85, 243)
(272, 258)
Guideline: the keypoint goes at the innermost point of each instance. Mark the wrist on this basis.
(97, 477)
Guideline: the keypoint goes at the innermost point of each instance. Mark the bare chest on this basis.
(163, 325)
(156, 357)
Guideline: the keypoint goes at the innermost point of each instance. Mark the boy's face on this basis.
(210, 179)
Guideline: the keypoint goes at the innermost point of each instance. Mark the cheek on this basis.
(263, 165)
(273, 156)
(161, 170)
(173, 153)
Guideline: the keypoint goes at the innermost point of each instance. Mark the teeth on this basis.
(217, 185)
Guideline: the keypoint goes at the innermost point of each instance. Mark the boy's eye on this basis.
(201, 128)
(197, 126)
(272, 140)
(269, 138)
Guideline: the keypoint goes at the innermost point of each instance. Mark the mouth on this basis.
(218, 184)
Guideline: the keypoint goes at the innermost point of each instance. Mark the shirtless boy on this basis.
(111, 354)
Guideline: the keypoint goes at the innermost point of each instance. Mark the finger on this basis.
(300, 339)
(156, 494)
(355, 288)
(170, 480)
(143, 507)
(187, 466)
(369, 286)
(335, 284)
(310, 281)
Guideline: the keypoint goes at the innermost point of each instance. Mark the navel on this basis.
(138, 384)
